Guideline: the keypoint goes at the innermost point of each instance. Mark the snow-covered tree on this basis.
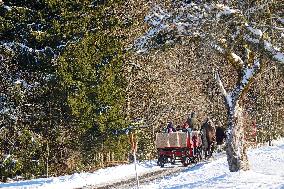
(246, 35)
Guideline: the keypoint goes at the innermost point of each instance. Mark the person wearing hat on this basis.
(170, 127)
(191, 121)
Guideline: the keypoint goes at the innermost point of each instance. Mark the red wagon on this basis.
(178, 146)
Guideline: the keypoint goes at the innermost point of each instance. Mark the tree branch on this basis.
(227, 96)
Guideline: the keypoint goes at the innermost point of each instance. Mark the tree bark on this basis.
(235, 143)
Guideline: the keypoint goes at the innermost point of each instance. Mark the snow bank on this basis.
(98, 178)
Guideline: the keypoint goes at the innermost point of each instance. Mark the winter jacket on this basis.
(191, 120)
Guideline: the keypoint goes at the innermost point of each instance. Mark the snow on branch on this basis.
(257, 40)
(254, 31)
(8, 8)
(256, 9)
(230, 55)
(187, 20)
(267, 47)
(237, 58)
(15, 46)
(156, 16)
(182, 20)
(248, 73)
(218, 48)
(225, 10)
(281, 20)
(275, 53)
(227, 96)
(11, 45)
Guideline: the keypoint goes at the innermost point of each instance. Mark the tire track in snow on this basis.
(148, 177)
(145, 178)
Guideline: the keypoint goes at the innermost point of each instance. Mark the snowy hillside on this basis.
(267, 165)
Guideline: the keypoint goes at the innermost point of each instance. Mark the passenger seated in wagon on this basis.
(178, 128)
(170, 127)
(186, 128)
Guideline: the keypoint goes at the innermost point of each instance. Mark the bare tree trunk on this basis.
(235, 143)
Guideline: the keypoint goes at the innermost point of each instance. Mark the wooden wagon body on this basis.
(178, 146)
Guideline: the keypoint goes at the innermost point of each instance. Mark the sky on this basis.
(266, 162)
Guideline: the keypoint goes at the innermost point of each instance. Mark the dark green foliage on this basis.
(146, 145)
(91, 73)
(69, 64)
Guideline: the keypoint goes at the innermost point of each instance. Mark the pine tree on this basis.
(91, 73)
(46, 112)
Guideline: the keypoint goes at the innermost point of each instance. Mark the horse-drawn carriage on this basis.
(185, 147)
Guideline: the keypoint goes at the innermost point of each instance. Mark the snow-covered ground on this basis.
(267, 171)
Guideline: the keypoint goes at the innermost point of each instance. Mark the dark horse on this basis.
(208, 136)
(220, 136)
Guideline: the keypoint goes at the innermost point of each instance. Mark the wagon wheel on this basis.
(195, 159)
(185, 161)
(161, 161)
(158, 163)
(162, 164)
(173, 160)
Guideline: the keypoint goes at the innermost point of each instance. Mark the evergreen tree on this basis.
(46, 113)
(91, 73)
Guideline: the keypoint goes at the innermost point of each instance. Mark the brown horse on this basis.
(208, 136)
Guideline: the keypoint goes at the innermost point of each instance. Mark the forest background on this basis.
(72, 83)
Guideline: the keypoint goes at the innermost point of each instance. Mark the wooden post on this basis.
(103, 159)
(108, 156)
(112, 156)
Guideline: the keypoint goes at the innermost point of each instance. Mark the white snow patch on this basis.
(281, 20)
(229, 100)
(237, 58)
(268, 46)
(218, 48)
(98, 178)
(248, 74)
(279, 56)
(256, 8)
(7, 8)
(225, 10)
(6, 157)
(18, 82)
(256, 64)
(247, 37)
(257, 32)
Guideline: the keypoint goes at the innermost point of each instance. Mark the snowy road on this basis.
(146, 178)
